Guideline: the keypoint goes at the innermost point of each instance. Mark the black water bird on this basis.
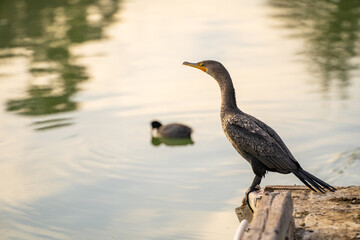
(171, 130)
(255, 141)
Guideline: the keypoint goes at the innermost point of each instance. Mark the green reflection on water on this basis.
(156, 141)
(331, 33)
(44, 31)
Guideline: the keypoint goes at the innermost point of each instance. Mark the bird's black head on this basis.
(211, 67)
(156, 124)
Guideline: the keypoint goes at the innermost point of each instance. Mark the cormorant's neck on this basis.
(228, 101)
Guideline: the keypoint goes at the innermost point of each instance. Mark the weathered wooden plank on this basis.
(260, 218)
(272, 188)
(334, 215)
(272, 218)
(279, 217)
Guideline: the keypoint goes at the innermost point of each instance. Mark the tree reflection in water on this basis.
(44, 31)
(330, 30)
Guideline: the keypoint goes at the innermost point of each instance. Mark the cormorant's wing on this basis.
(259, 140)
(274, 135)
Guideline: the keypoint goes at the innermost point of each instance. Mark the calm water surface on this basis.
(80, 81)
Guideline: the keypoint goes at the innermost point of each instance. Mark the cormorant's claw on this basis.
(247, 201)
(256, 188)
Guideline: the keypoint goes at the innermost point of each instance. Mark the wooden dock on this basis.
(296, 212)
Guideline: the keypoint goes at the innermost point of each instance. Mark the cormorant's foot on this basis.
(247, 201)
(256, 188)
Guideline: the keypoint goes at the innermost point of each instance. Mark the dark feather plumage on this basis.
(171, 130)
(175, 130)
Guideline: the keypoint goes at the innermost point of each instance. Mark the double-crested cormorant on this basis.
(255, 141)
(171, 130)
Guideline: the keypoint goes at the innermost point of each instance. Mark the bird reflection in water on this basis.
(172, 134)
(157, 141)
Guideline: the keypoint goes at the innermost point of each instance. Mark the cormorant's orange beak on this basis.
(196, 65)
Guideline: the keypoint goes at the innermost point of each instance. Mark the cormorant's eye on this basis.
(201, 64)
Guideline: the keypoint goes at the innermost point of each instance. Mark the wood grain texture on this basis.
(273, 217)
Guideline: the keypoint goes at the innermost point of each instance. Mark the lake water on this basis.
(80, 81)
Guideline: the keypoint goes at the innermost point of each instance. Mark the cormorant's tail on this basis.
(311, 181)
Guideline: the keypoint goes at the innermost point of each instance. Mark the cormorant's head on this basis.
(156, 124)
(211, 67)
